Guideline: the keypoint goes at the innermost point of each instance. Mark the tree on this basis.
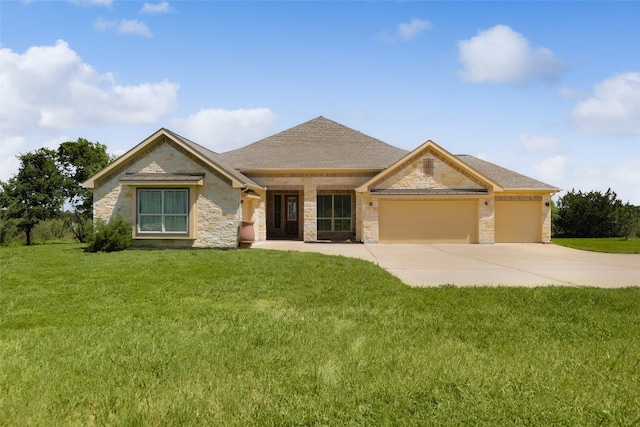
(594, 214)
(78, 161)
(628, 219)
(36, 193)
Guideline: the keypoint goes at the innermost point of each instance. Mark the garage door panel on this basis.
(428, 221)
(518, 222)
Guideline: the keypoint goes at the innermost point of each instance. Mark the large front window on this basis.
(163, 211)
(334, 212)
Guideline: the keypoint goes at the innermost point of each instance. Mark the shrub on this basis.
(51, 229)
(8, 231)
(114, 236)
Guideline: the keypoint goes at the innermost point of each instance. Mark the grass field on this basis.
(614, 245)
(249, 337)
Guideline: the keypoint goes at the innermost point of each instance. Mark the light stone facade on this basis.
(218, 206)
(413, 175)
(215, 209)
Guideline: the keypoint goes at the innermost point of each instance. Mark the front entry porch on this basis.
(283, 215)
(311, 215)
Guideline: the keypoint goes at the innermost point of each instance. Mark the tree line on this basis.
(594, 214)
(48, 185)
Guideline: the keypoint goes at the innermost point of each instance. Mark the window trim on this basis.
(190, 215)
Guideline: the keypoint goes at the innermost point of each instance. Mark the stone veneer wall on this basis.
(546, 218)
(486, 220)
(412, 175)
(368, 230)
(217, 204)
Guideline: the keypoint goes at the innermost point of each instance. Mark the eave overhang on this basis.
(164, 179)
(430, 192)
(550, 190)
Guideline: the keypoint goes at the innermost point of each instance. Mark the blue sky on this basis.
(549, 89)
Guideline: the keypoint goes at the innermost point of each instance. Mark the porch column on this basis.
(310, 232)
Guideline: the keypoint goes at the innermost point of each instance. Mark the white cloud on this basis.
(223, 130)
(135, 27)
(103, 25)
(500, 54)
(622, 176)
(551, 170)
(155, 8)
(539, 143)
(9, 148)
(50, 88)
(627, 180)
(407, 30)
(126, 26)
(614, 107)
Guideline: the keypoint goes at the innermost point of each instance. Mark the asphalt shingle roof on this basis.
(324, 144)
(506, 178)
(214, 158)
(317, 144)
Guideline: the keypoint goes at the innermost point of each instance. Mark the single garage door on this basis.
(518, 222)
(428, 221)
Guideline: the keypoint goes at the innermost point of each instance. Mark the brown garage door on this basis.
(428, 221)
(518, 222)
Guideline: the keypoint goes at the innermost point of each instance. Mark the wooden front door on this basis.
(291, 216)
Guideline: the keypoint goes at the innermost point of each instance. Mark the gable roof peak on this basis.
(208, 157)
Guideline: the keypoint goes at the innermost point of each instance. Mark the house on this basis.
(317, 181)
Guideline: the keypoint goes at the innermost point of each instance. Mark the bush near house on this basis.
(110, 237)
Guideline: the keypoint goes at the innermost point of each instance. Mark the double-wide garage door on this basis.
(428, 221)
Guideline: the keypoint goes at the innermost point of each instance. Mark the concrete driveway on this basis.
(511, 264)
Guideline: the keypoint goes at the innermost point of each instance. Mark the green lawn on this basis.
(611, 245)
(257, 337)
